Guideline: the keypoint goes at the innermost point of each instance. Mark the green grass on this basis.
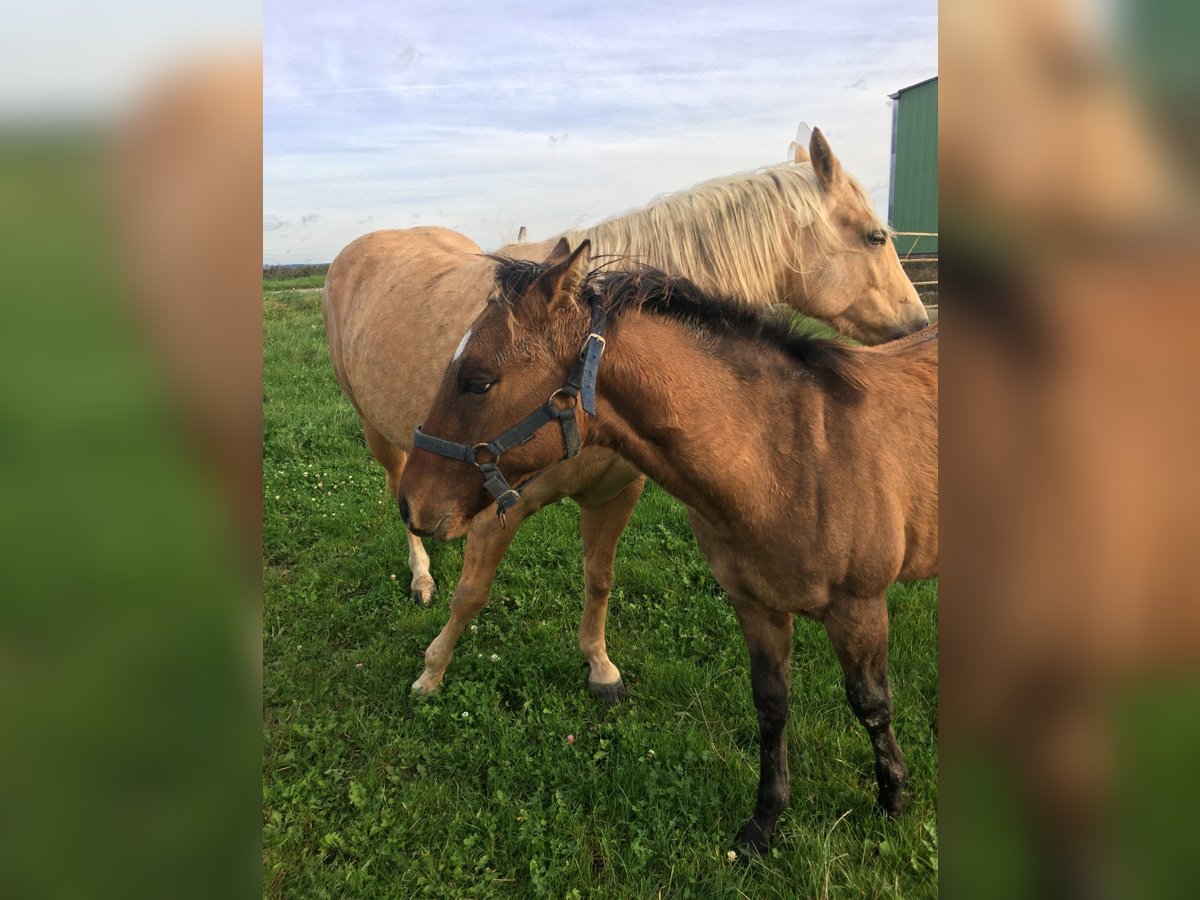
(276, 283)
(368, 791)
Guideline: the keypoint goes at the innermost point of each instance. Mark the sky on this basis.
(483, 117)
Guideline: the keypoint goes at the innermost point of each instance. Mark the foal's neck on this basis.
(715, 429)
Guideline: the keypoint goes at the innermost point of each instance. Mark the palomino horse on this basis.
(397, 302)
(808, 468)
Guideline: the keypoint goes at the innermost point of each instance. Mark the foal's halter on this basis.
(581, 383)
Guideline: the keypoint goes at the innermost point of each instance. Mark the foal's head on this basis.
(516, 354)
(859, 284)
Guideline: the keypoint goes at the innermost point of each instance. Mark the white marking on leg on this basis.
(462, 345)
(418, 563)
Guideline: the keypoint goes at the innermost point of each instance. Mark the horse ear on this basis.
(560, 284)
(825, 164)
(801, 155)
(560, 252)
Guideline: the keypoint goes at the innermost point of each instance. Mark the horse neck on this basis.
(700, 424)
(756, 273)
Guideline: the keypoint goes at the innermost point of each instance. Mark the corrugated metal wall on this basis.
(913, 203)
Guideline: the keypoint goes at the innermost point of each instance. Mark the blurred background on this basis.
(130, 197)
(1070, 624)
(130, 172)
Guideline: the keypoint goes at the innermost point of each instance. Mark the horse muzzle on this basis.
(440, 526)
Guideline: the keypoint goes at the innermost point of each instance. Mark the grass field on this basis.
(477, 791)
(294, 282)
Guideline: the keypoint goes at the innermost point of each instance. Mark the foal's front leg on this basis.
(768, 635)
(858, 629)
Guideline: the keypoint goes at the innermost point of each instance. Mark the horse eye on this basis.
(477, 386)
(877, 238)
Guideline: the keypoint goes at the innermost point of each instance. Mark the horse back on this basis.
(395, 305)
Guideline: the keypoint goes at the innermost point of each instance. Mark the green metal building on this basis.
(913, 193)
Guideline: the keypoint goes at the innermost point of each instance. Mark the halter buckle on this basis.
(599, 338)
(501, 510)
(484, 446)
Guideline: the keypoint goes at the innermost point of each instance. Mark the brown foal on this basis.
(808, 468)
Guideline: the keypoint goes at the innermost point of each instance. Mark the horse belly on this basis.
(755, 570)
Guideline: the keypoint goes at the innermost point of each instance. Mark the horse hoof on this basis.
(424, 596)
(752, 843)
(424, 686)
(609, 694)
(892, 806)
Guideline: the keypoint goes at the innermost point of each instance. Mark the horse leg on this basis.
(768, 635)
(858, 629)
(392, 458)
(600, 527)
(487, 542)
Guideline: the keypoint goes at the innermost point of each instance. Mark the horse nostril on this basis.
(402, 502)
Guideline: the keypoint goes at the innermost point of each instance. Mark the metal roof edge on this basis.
(896, 96)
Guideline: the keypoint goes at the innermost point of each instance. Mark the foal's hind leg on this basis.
(858, 629)
(600, 527)
(392, 458)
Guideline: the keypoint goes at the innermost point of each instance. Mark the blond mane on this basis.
(736, 235)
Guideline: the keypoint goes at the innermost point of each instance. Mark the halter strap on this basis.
(580, 383)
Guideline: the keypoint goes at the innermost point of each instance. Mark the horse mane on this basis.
(735, 235)
(653, 291)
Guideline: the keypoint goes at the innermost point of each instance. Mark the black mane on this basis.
(652, 291)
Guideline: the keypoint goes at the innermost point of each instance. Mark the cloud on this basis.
(468, 121)
(310, 219)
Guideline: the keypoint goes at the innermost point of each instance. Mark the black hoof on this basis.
(608, 693)
(891, 780)
(753, 842)
(891, 805)
(423, 598)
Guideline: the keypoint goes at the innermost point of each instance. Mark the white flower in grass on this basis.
(393, 577)
(731, 856)
(495, 657)
(466, 715)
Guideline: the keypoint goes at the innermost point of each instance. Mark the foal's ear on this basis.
(800, 154)
(824, 163)
(560, 284)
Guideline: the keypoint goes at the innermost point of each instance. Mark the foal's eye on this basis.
(877, 237)
(477, 386)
